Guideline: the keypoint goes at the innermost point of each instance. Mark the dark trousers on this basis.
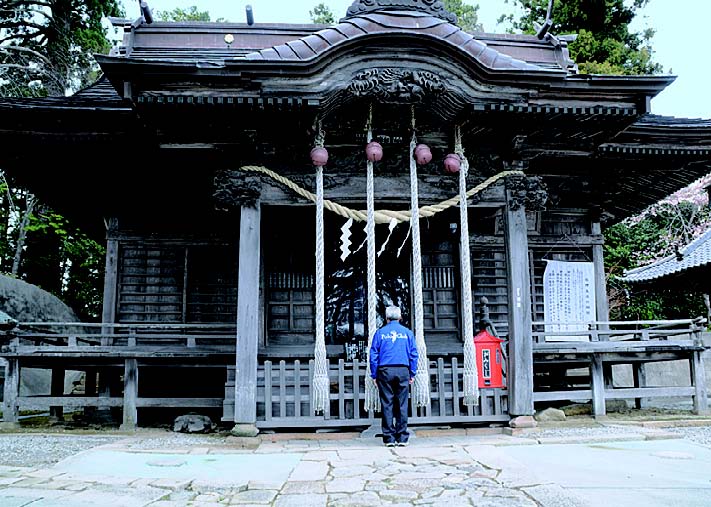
(394, 389)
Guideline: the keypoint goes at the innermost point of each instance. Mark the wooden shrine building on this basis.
(192, 153)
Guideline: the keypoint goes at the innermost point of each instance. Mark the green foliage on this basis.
(46, 48)
(467, 14)
(322, 15)
(57, 257)
(190, 14)
(605, 44)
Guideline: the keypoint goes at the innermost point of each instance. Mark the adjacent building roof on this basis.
(696, 254)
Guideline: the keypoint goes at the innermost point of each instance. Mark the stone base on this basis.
(244, 442)
(244, 430)
(127, 427)
(9, 426)
(523, 421)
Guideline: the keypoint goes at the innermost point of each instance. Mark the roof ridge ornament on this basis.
(434, 7)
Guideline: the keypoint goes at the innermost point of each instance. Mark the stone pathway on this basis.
(329, 471)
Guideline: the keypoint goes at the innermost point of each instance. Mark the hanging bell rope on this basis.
(372, 399)
(381, 216)
(471, 385)
(321, 385)
(421, 385)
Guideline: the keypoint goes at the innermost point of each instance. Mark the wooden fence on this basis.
(284, 396)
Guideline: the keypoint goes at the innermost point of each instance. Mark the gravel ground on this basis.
(35, 450)
(595, 431)
(699, 434)
(173, 440)
(31, 450)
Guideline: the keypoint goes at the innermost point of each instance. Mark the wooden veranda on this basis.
(284, 393)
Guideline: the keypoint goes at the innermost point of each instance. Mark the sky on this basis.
(678, 45)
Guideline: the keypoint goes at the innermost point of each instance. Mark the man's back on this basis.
(393, 344)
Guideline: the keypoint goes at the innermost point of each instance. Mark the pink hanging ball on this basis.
(319, 157)
(452, 163)
(374, 151)
(423, 154)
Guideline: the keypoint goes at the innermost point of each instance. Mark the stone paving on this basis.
(455, 470)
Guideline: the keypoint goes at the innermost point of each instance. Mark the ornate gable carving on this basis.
(399, 86)
(433, 7)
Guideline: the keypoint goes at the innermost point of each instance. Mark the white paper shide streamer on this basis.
(346, 239)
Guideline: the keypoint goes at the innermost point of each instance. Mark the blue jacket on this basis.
(393, 344)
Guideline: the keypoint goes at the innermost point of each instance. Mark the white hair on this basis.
(393, 313)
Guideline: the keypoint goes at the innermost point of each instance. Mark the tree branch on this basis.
(29, 69)
(11, 5)
(29, 51)
(22, 24)
(19, 12)
(22, 233)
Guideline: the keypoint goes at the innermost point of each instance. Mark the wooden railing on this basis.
(69, 336)
(284, 396)
(599, 345)
(616, 331)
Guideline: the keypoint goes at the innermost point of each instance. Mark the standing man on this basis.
(393, 365)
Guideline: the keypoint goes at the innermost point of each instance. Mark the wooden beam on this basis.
(130, 394)
(581, 395)
(44, 402)
(247, 316)
(345, 188)
(519, 296)
(11, 391)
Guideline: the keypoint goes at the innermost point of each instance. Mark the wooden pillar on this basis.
(56, 413)
(247, 316)
(520, 378)
(89, 390)
(108, 315)
(698, 378)
(130, 394)
(90, 382)
(602, 308)
(597, 381)
(10, 410)
(639, 374)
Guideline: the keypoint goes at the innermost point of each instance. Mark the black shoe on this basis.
(403, 444)
(390, 444)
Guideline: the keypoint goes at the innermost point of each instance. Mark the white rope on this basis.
(321, 386)
(471, 385)
(372, 399)
(381, 216)
(421, 385)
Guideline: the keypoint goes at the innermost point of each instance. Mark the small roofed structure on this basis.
(689, 268)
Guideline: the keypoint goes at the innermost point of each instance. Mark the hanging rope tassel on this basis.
(421, 385)
(471, 384)
(321, 386)
(372, 399)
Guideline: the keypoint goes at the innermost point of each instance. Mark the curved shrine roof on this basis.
(391, 23)
(191, 42)
(696, 254)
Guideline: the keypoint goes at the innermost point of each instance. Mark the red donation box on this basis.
(489, 360)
